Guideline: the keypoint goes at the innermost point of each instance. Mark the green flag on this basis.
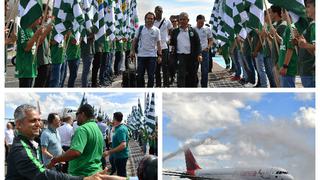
(29, 11)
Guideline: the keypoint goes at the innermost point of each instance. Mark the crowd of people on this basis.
(277, 53)
(270, 57)
(76, 150)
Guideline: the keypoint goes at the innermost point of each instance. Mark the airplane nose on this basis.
(288, 177)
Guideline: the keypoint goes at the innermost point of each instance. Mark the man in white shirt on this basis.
(206, 40)
(186, 43)
(149, 49)
(9, 135)
(66, 132)
(165, 27)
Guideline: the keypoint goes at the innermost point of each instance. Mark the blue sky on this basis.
(55, 102)
(256, 129)
(175, 7)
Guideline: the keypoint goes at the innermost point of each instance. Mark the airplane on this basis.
(194, 171)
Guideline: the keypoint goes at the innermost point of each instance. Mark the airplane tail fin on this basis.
(191, 162)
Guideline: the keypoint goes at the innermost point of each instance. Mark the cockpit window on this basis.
(281, 172)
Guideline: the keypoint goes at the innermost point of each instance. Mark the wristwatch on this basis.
(285, 66)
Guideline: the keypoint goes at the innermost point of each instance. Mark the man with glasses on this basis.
(86, 147)
(173, 62)
(186, 43)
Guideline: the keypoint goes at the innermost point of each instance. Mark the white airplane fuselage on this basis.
(272, 173)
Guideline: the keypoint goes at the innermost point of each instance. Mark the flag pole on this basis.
(270, 23)
(275, 68)
(291, 30)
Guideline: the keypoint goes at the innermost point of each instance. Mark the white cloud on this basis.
(271, 118)
(278, 142)
(251, 150)
(198, 113)
(256, 115)
(19, 98)
(56, 102)
(248, 108)
(143, 7)
(306, 117)
(204, 150)
(304, 96)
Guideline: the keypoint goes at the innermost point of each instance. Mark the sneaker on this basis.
(243, 81)
(235, 78)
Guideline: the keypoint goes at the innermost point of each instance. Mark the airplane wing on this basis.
(185, 175)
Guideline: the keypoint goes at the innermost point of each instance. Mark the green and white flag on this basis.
(110, 19)
(256, 15)
(68, 15)
(119, 20)
(85, 28)
(29, 12)
(214, 19)
(87, 5)
(78, 15)
(99, 23)
(134, 20)
(150, 120)
(222, 35)
(61, 25)
(228, 8)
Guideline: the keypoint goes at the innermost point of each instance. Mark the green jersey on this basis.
(26, 61)
(57, 53)
(73, 50)
(86, 48)
(88, 140)
(119, 46)
(43, 55)
(280, 27)
(306, 59)
(285, 45)
(107, 46)
(121, 135)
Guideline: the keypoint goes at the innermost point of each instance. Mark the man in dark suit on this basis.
(187, 48)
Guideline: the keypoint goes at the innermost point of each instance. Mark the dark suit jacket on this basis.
(194, 40)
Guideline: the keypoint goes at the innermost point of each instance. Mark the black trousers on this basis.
(25, 82)
(164, 65)
(43, 77)
(173, 63)
(187, 71)
(127, 59)
(112, 163)
(95, 68)
(117, 60)
(121, 167)
(64, 167)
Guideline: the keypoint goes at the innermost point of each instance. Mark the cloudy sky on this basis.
(55, 102)
(175, 7)
(244, 129)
